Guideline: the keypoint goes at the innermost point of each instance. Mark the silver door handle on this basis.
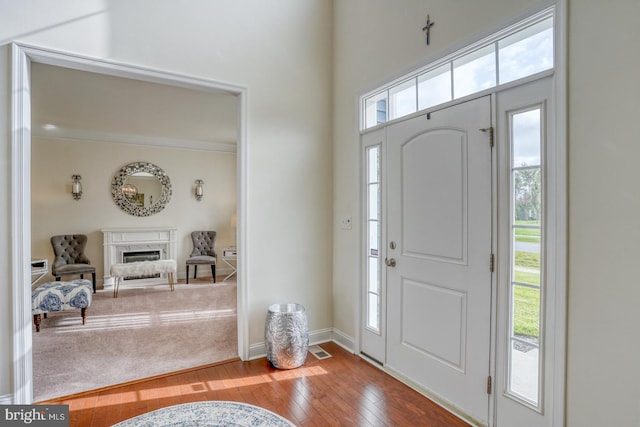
(390, 262)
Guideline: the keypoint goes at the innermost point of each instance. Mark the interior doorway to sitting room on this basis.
(97, 124)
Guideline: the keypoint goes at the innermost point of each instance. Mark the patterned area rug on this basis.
(209, 414)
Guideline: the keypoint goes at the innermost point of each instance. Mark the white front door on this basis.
(438, 250)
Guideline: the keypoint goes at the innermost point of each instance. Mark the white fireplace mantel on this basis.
(117, 241)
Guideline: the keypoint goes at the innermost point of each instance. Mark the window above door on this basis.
(515, 53)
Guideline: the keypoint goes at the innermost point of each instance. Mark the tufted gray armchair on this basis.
(203, 252)
(70, 258)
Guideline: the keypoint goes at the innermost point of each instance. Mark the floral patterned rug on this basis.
(209, 414)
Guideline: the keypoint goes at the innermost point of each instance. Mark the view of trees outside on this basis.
(527, 194)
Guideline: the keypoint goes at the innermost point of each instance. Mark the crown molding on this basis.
(121, 138)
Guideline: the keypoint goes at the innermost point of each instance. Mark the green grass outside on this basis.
(527, 232)
(527, 239)
(527, 259)
(528, 277)
(526, 313)
(527, 300)
(530, 235)
(531, 222)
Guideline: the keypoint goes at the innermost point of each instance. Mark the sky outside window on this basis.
(434, 87)
(527, 52)
(474, 72)
(402, 99)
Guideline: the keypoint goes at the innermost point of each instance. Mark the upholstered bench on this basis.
(143, 268)
(61, 296)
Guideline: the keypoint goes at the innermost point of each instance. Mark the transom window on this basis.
(522, 50)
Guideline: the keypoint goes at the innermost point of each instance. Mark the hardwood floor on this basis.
(343, 390)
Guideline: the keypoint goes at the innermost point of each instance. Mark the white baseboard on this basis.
(343, 340)
(6, 399)
(259, 350)
(320, 336)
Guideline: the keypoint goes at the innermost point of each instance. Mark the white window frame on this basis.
(367, 278)
(542, 108)
(460, 55)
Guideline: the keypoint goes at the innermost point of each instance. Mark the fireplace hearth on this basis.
(126, 245)
(138, 256)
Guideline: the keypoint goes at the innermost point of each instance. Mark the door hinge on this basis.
(489, 384)
(490, 131)
(492, 262)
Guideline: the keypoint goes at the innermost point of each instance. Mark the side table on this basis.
(39, 267)
(230, 257)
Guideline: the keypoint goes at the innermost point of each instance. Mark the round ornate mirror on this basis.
(141, 189)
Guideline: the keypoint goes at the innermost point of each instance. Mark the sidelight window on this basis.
(526, 278)
(373, 272)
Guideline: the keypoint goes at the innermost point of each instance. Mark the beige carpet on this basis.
(142, 333)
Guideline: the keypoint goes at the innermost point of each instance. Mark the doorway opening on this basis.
(23, 57)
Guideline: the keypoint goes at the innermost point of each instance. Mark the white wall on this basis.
(377, 41)
(604, 200)
(54, 211)
(281, 51)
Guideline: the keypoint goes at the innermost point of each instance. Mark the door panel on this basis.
(433, 322)
(439, 292)
(443, 237)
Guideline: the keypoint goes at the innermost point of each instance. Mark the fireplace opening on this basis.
(136, 256)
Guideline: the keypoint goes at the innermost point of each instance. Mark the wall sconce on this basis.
(199, 191)
(76, 187)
